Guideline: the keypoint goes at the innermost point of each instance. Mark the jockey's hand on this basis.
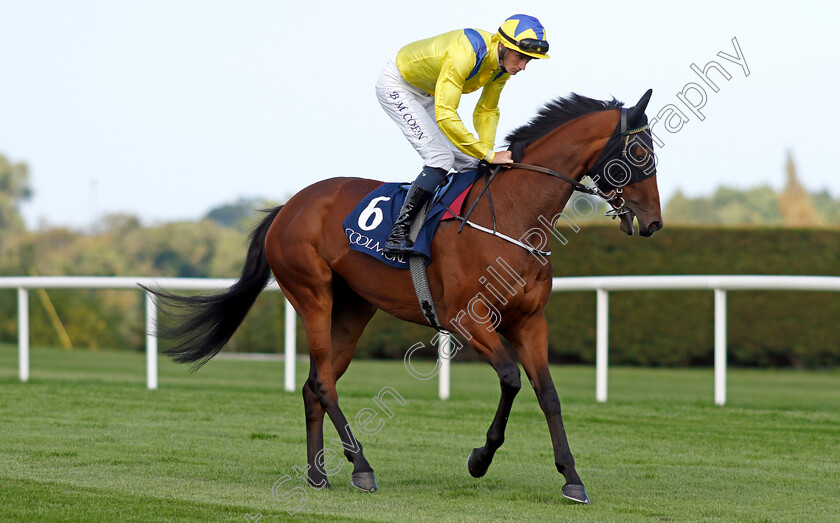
(502, 157)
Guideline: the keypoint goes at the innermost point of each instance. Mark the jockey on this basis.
(422, 88)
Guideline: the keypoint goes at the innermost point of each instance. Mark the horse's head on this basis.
(625, 171)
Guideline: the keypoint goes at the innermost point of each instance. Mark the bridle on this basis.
(617, 204)
(612, 195)
(601, 188)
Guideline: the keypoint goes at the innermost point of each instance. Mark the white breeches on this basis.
(413, 110)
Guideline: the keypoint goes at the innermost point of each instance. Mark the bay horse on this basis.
(336, 290)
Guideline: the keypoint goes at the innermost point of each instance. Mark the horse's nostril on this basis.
(655, 226)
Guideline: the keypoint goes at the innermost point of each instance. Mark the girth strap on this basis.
(417, 267)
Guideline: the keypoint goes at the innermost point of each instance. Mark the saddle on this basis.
(368, 225)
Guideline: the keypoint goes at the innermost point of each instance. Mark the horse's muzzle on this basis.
(652, 227)
(645, 230)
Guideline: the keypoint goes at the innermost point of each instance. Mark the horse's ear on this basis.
(635, 113)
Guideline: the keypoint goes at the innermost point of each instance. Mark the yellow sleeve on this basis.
(486, 114)
(457, 64)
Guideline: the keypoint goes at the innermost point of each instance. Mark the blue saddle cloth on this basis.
(367, 227)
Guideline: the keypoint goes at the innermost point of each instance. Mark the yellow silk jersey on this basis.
(446, 67)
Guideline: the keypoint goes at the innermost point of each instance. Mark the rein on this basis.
(618, 206)
(618, 209)
(616, 201)
(493, 232)
(614, 212)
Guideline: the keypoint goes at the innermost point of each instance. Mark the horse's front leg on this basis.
(494, 353)
(531, 342)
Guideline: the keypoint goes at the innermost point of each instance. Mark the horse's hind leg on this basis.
(314, 435)
(491, 350)
(350, 315)
(322, 383)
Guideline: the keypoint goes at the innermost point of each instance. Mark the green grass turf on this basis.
(85, 441)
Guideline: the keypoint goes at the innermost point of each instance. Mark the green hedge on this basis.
(676, 328)
(670, 328)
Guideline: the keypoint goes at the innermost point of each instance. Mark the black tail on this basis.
(204, 323)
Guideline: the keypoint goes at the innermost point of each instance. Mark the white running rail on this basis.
(719, 284)
(601, 285)
(24, 284)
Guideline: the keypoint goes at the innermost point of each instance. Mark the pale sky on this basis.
(165, 109)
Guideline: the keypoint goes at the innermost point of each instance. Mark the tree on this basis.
(14, 189)
(117, 224)
(727, 206)
(827, 207)
(241, 215)
(794, 203)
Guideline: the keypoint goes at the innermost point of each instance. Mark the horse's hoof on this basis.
(318, 484)
(476, 469)
(575, 493)
(365, 481)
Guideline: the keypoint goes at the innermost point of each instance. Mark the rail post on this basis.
(289, 342)
(445, 357)
(23, 334)
(720, 346)
(601, 344)
(151, 343)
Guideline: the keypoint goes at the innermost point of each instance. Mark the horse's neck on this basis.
(528, 195)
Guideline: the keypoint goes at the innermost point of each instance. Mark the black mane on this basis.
(552, 115)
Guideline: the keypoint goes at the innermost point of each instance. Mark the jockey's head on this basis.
(521, 38)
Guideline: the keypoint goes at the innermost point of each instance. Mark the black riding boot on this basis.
(418, 194)
(399, 241)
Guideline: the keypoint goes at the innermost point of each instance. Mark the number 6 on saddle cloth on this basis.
(369, 223)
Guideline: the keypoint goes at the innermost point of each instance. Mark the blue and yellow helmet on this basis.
(525, 34)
